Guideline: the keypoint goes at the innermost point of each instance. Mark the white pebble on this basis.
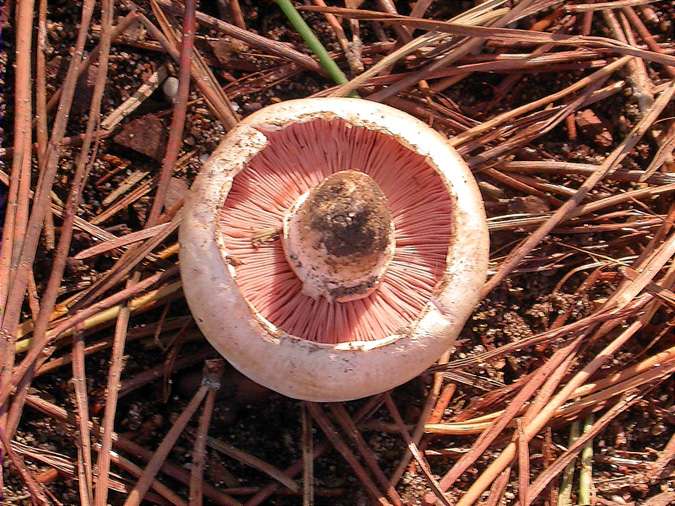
(170, 87)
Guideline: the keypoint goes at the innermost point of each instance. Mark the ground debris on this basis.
(592, 127)
(146, 135)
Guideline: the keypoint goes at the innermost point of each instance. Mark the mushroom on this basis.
(333, 248)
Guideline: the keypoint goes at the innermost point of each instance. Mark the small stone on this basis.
(592, 127)
(170, 87)
(145, 135)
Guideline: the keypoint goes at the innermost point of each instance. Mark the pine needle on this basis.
(312, 41)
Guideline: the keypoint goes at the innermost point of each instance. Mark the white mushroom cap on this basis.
(354, 366)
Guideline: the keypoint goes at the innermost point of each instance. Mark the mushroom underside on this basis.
(298, 158)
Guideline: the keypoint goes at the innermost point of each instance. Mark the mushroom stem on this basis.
(338, 237)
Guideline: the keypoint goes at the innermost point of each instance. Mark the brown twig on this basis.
(148, 376)
(33, 297)
(14, 227)
(175, 471)
(114, 374)
(523, 463)
(548, 457)
(134, 335)
(499, 488)
(593, 395)
(132, 103)
(597, 6)
(664, 155)
(212, 378)
(179, 113)
(252, 461)
(402, 32)
(355, 64)
(41, 129)
(16, 218)
(532, 106)
(554, 167)
(237, 15)
(587, 23)
(637, 69)
(665, 456)
(308, 489)
(124, 203)
(583, 324)
(126, 263)
(495, 32)
(136, 471)
(84, 460)
(437, 396)
(443, 401)
(119, 242)
(79, 223)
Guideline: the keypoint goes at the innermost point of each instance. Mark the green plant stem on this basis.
(312, 41)
(565, 493)
(586, 472)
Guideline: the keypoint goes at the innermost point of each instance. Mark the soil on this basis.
(268, 425)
